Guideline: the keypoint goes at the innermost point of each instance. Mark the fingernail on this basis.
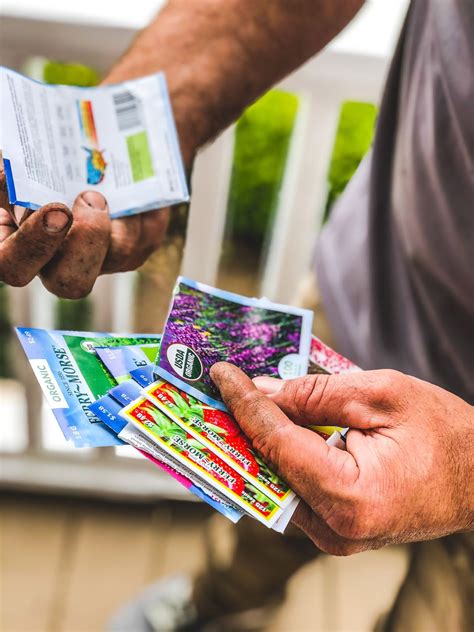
(55, 221)
(268, 385)
(95, 200)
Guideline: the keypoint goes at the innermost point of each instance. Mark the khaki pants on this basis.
(253, 571)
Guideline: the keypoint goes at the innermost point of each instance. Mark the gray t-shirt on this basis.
(395, 263)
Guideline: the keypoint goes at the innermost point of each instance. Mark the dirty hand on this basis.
(69, 249)
(407, 471)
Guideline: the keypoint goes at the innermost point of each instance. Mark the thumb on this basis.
(302, 458)
(25, 250)
(336, 400)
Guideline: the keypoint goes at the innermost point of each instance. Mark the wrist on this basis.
(461, 457)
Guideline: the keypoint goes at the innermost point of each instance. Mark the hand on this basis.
(407, 471)
(70, 249)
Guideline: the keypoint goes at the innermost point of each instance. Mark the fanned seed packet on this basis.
(187, 450)
(206, 325)
(121, 361)
(72, 377)
(219, 432)
(103, 390)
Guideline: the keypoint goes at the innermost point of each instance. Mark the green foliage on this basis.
(74, 315)
(261, 145)
(5, 334)
(354, 136)
(70, 74)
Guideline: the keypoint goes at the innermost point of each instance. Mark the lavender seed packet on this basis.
(206, 325)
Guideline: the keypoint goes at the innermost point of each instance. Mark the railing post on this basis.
(207, 215)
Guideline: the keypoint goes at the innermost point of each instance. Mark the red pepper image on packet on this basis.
(219, 432)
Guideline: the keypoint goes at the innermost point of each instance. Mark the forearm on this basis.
(219, 56)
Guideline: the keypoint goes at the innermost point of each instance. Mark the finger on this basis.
(72, 273)
(324, 537)
(25, 250)
(302, 458)
(353, 400)
(7, 224)
(4, 199)
(134, 239)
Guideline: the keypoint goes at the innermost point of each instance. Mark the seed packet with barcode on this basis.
(72, 376)
(119, 140)
(206, 325)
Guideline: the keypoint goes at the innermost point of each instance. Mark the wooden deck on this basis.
(67, 564)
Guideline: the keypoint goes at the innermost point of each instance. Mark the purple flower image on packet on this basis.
(206, 325)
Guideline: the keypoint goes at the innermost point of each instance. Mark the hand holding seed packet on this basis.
(155, 393)
(119, 140)
(206, 325)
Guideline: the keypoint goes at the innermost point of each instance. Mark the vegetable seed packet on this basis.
(182, 475)
(323, 359)
(108, 409)
(174, 440)
(206, 325)
(119, 140)
(72, 376)
(219, 432)
(120, 361)
(144, 375)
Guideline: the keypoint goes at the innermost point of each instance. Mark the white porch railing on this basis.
(33, 461)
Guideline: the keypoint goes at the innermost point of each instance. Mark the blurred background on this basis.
(82, 530)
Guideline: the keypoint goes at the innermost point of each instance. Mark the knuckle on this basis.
(14, 279)
(306, 392)
(65, 288)
(270, 444)
(389, 380)
(351, 520)
(387, 388)
(250, 404)
(343, 548)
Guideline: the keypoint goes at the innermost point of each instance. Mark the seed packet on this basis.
(323, 359)
(72, 376)
(126, 392)
(144, 375)
(119, 140)
(182, 446)
(107, 409)
(206, 325)
(200, 488)
(120, 361)
(219, 432)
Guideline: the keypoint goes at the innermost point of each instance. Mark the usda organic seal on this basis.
(184, 361)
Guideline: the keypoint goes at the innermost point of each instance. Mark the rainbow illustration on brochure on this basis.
(95, 161)
(153, 392)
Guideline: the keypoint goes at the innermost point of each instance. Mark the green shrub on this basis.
(76, 315)
(354, 136)
(262, 140)
(70, 74)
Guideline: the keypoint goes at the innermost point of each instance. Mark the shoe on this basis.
(167, 606)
